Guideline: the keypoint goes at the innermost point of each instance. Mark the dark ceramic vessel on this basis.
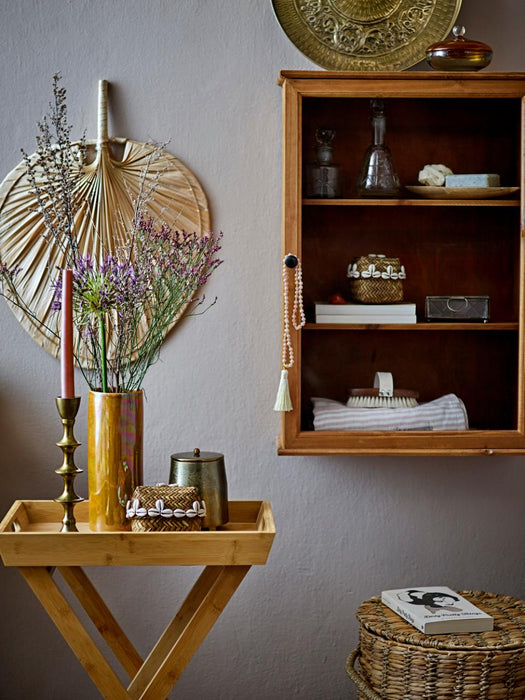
(459, 54)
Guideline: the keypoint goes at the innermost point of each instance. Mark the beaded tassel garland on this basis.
(283, 401)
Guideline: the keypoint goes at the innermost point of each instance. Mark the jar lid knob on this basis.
(458, 31)
(196, 452)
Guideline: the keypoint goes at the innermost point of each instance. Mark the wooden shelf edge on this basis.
(399, 452)
(421, 326)
(344, 202)
(366, 444)
(397, 75)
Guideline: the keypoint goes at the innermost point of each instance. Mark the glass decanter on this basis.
(378, 177)
(323, 177)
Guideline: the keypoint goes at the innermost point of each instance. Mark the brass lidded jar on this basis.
(205, 471)
(459, 54)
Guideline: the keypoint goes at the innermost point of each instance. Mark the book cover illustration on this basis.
(437, 610)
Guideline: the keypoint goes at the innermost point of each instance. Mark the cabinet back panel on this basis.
(478, 366)
(467, 135)
(455, 251)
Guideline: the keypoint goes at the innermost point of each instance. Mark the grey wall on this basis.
(203, 73)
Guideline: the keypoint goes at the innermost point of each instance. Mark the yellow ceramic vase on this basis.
(115, 427)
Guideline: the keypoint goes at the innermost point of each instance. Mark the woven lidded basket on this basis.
(397, 662)
(165, 508)
(376, 279)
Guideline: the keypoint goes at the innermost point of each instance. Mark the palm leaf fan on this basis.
(114, 172)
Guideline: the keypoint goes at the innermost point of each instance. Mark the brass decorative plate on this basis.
(366, 35)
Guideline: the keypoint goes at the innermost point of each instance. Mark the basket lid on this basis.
(508, 632)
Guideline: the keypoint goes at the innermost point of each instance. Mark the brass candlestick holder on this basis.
(68, 409)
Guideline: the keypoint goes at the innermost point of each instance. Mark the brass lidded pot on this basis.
(205, 471)
(459, 54)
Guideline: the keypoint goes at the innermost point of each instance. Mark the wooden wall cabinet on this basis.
(472, 122)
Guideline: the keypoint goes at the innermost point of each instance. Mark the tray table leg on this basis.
(185, 633)
(102, 618)
(59, 610)
(155, 677)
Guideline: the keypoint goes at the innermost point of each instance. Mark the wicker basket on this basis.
(165, 508)
(376, 279)
(397, 662)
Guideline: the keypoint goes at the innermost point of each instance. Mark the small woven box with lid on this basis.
(165, 508)
(376, 279)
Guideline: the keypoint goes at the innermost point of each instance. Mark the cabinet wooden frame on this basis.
(440, 110)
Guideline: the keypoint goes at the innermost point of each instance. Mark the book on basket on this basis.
(437, 610)
(365, 313)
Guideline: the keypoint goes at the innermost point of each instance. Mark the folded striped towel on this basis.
(446, 413)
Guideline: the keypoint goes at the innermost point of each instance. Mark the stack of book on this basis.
(365, 313)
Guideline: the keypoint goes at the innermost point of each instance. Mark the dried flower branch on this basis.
(54, 171)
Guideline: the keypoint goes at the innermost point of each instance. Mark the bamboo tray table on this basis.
(30, 539)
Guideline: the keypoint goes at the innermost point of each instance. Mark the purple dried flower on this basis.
(9, 273)
(150, 282)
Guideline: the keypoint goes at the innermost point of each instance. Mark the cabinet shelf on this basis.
(414, 444)
(460, 247)
(424, 326)
(411, 202)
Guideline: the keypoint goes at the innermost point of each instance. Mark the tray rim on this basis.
(228, 546)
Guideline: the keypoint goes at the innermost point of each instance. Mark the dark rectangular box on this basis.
(457, 308)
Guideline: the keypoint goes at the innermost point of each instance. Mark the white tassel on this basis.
(283, 401)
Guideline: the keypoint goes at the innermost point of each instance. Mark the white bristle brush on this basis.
(382, 395)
